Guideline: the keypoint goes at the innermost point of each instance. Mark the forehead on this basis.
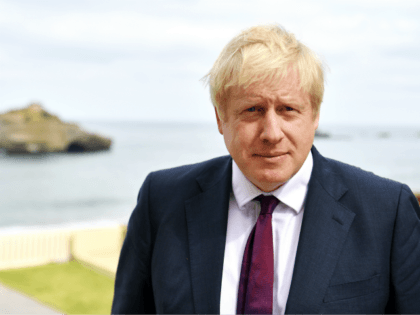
(286, 89)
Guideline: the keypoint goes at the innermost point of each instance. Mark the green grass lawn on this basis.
(68, 287)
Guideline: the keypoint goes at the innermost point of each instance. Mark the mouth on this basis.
(270, 156)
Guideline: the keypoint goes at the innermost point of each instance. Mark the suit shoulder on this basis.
(364, 180)
(167, 190)
(182, 175)
(360, 191)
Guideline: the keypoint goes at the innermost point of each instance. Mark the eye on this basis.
(251, 109)
(289, 108)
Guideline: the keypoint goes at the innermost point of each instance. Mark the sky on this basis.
(142, 60)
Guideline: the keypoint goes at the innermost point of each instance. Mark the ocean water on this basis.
(97, 189)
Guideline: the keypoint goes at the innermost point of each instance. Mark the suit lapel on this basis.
(206, 215)
(324, 229)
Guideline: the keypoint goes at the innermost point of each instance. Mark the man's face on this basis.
(269, 130)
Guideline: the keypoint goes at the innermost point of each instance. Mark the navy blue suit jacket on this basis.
(358, 251)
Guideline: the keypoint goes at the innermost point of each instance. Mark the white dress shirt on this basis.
(286, 223)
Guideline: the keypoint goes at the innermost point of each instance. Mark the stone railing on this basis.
(98, 248)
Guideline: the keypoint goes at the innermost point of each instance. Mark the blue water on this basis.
(59, 190)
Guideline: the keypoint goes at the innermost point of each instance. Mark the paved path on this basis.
(12, 302)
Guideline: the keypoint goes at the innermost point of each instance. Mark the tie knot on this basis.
(268, 203)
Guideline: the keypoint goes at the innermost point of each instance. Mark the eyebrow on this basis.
(251, 98)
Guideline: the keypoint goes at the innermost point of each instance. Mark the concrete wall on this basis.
(25, 250)
(99, 248)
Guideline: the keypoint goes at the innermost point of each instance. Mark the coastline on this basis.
(79, 225)
(95, 244)
(65, 226)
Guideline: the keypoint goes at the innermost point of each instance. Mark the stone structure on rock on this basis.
(34, 130)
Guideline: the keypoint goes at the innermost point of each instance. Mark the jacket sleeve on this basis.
(405, 260)
(133, 288)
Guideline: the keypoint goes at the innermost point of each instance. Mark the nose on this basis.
(272, 127)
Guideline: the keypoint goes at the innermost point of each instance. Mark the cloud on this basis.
(324, 24)
(89, 53)
(112, 28)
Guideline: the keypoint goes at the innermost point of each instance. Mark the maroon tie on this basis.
(255, 294)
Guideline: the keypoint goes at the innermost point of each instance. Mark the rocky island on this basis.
(34, 130)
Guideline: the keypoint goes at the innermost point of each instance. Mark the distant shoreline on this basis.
(27, 229)
(22, 229)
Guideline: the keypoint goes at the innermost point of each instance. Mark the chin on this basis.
(268, 184)
(270, 187)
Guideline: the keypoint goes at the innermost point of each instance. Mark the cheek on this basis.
(243, 138)
(240, 139)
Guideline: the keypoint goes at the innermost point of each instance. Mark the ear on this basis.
(316, 121)
(219, 121)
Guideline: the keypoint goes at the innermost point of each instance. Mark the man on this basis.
(340, 240)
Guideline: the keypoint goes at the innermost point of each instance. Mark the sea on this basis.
(85, 190)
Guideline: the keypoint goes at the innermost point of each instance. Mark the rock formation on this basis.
(320, 134)
(34, 130)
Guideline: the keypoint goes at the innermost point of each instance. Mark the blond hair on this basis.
(264, 53)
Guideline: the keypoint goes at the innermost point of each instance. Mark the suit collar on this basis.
(324, 229)
(325, 225)
(206, 215)
(218, 170)
(325, 176)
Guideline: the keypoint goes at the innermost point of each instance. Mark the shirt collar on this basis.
(292, 193)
